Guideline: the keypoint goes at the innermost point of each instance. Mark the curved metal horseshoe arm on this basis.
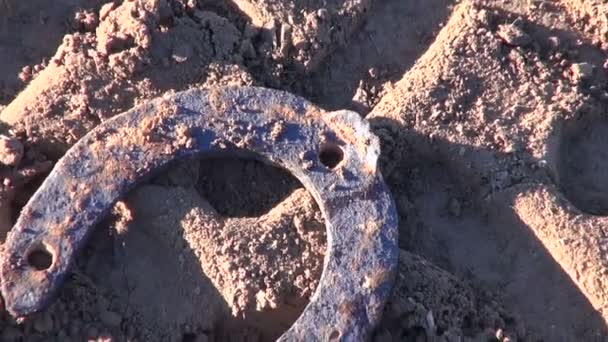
(333, 154)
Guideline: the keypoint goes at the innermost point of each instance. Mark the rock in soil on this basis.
(11, 151)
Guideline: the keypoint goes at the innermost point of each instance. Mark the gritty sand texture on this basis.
(492, 120)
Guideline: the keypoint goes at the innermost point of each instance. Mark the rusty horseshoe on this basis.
(333, 154)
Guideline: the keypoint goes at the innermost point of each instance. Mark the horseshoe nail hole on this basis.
(334, 336)
(40, 258)
(331, 155)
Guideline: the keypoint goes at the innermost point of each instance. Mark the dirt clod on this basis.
(581, 71)
(513, 35)
(11, 151)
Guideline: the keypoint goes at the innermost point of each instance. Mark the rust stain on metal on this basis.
(108, 162)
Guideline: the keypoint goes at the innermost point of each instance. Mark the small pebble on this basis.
(430, 323)
(581, 71)
(500, 334)
(373, 72)
(285, 39)
(554, 42)
(513, 35)
(182, 53)
(509, 339)
(323, 14)
(26, 73)
(11, 151)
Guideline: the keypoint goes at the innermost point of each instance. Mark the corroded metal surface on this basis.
(333, 154)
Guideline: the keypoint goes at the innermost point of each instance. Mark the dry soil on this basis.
(494, 137)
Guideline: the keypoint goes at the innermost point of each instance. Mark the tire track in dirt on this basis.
(479, 113)
(394, 35)
(304, 32)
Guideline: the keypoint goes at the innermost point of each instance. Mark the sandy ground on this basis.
(491, 116)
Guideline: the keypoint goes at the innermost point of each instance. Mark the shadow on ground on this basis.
(447, 217)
